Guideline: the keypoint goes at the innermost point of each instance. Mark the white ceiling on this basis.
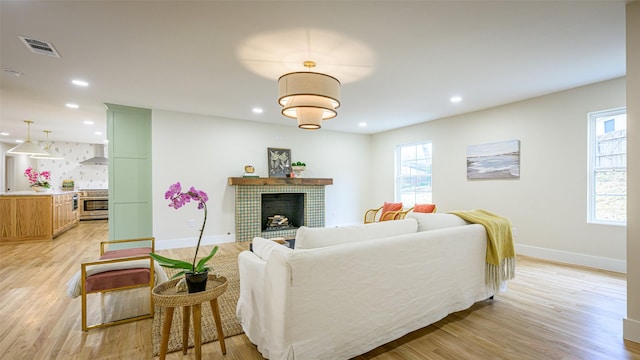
(399, 62)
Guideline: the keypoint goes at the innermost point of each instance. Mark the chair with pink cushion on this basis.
(117, 269)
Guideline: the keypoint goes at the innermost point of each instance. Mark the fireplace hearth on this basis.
(250, 218)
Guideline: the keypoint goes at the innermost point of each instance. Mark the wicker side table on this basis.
(166, 296)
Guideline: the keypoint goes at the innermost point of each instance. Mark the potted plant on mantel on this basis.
(298, 167)
(195, 274)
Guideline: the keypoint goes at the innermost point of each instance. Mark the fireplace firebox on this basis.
(282, 211)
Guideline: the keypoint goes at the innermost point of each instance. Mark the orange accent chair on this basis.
(401, 214)
(121, 279)
(386, 212)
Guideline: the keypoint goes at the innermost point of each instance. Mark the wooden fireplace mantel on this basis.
(279, 181)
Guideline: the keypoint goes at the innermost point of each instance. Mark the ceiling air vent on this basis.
(40, 47)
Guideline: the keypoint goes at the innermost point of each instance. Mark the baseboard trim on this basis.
(191, 242)
(631, 330)
(573, 258)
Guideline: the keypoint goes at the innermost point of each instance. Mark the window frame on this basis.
(398, 176)
(592, 118)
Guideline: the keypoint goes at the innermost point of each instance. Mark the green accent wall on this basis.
(130, 195)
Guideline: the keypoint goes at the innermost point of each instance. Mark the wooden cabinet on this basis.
(64, 216)
(35, 216)
(25, 218)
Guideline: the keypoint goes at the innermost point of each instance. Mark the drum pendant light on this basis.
(309, 97)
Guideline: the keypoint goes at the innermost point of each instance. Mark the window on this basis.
(413, 174)
(607, 203)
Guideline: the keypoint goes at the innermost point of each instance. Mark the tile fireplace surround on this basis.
(249, 203)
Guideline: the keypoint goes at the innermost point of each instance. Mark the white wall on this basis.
(16, 165)
(205, 151)
(632, 321)
(3, 166)
(547, 204)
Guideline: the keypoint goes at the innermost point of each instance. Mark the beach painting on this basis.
(499, 160)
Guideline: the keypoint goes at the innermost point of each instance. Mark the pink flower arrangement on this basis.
(38, 178)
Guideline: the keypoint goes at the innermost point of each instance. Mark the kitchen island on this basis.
(30, 215)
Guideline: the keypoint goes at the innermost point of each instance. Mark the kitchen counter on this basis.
(35, 193)
(31, 215)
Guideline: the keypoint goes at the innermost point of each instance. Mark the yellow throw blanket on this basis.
(500, 258)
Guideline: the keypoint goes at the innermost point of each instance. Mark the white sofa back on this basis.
(311, 238)
(368, 293)
(434, 221)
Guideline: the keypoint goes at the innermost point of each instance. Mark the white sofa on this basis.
(344, 291)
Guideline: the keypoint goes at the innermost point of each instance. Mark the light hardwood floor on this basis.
(550, 311)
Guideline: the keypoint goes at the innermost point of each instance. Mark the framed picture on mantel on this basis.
(279, 162)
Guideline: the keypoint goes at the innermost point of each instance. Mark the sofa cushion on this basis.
(424, 208)
(310, 238)
(116, 279)
(389, 207)
(264, 247)
(435, 221)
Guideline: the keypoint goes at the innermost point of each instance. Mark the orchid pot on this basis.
(196, 282)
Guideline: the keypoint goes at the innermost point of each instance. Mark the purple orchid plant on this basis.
(178, 199)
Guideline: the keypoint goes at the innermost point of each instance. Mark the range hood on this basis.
(98, 156)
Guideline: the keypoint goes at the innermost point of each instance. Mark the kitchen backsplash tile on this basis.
(84, 176)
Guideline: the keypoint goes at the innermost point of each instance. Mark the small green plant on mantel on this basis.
(298, 167)
(179, 199)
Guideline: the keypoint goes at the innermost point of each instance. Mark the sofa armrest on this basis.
(264, 247)
(251, 301)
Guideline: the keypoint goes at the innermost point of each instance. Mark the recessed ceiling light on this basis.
(257, 110)
(80, 82)
(362, 124)
(88, 122)
(19, 141)
(98, 132)
(72, 106)
(4, 133)
(455, 99)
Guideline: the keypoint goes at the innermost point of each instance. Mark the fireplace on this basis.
(249, 217)
(282, 211)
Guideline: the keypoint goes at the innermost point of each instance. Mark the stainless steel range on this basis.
(93, 204)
